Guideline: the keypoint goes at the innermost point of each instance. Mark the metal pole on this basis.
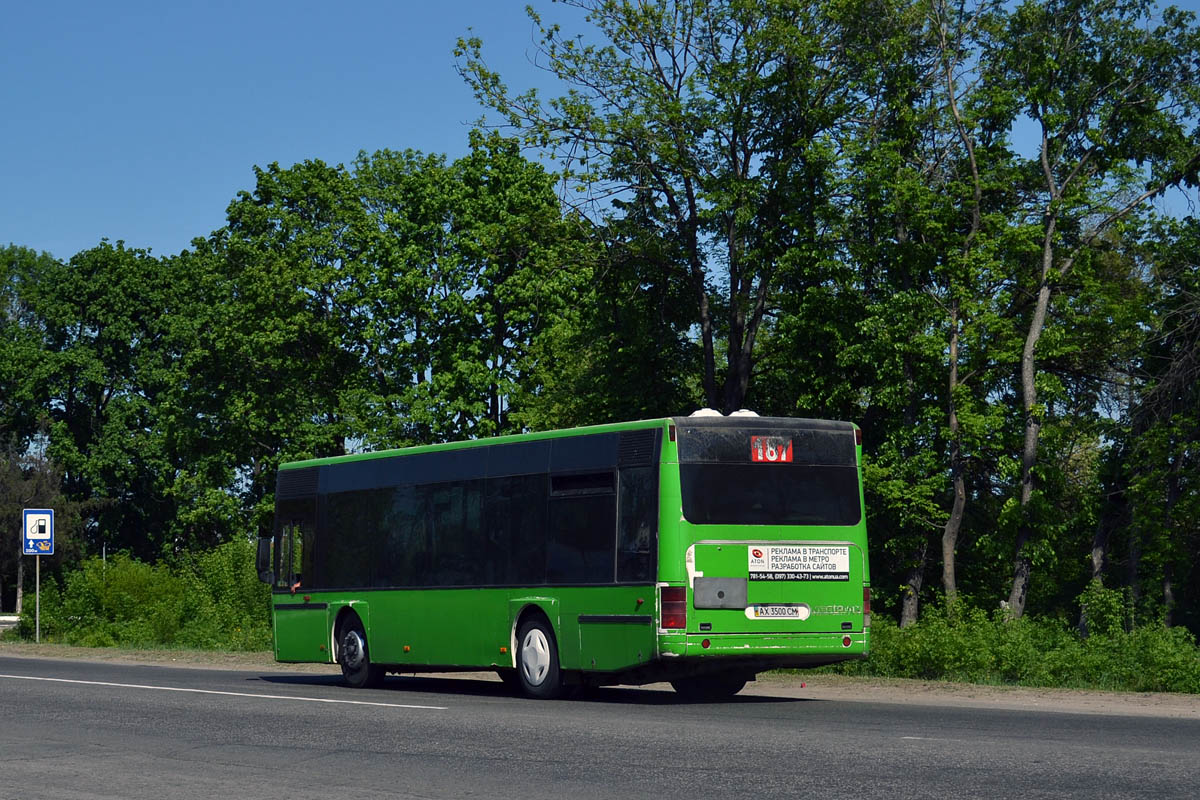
(37, 603)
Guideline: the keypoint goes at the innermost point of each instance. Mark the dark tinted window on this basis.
(637, 528)
(518, 514)
(515, 522)
(456, 521)
(770, 494)
(351, 537)
(588, 483)
(580, 539)
(406, 556)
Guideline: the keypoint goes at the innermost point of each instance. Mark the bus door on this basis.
(301, 625)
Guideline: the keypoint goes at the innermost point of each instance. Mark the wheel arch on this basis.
(533, 608)
(342, 617)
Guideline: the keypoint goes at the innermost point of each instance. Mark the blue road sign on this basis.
(37, 531)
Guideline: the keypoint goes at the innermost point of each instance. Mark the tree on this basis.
(1111, 98)
(400, 301)
(20, 344)
(1161, 470)
(717, 114)
(29, 480)
(97, 380)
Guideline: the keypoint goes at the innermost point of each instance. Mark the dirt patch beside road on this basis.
(194, 659)
(809, 686)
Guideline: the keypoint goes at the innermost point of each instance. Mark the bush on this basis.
(971, 646)
(209, 600)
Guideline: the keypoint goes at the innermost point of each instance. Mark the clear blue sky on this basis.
(141, 119)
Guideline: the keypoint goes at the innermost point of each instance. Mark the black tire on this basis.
(537, 661)
(354, 656)
(709, 688)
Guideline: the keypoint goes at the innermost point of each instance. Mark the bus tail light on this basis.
(866, 606)
(673, 607)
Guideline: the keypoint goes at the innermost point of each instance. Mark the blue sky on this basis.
(141, 120)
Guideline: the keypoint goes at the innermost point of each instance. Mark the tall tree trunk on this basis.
(911, 590)
(1100, 547)
(1174, 492)
(1100, 539)
(20, 583)
(1168, 595)
(954, 522)
(957, 478)
(1022, 566)
(1134, 573)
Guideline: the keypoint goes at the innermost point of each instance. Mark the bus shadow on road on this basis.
(485, 687)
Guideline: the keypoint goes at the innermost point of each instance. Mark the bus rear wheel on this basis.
(355, 657)
(537, 661)
(708, 688)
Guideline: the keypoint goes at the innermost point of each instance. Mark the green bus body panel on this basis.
(611, 629)
(301, 634)
(604, 628)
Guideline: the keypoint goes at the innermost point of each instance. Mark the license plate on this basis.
(779, 611)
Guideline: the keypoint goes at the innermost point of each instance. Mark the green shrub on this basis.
(971, 646)
(206, 600)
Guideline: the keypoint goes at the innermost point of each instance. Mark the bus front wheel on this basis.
(707, 688)
(537, 661)
(355, 658)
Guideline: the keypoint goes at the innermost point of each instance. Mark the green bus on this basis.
(697, 550)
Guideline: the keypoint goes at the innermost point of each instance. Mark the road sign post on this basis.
(37, 539)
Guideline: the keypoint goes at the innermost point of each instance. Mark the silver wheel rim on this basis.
(535, 657)
(352, 650)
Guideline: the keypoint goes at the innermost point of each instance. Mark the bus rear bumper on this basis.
(785, 649)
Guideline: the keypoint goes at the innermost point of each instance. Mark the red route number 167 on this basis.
(770, 449)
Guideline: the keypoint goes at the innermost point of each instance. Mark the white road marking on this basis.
(226, 694)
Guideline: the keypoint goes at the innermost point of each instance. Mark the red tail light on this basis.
(866, 606)
(673, 600)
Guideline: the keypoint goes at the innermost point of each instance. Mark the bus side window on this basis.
(637, 521)
(581, 529)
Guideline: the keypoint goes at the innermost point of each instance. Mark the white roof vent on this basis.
(744, 412)
(705, 412)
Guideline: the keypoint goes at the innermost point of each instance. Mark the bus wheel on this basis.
(537, 661)
(355, 658)
(707, 688)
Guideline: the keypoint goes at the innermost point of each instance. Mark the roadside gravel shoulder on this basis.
(1018, 698)
(807, 686)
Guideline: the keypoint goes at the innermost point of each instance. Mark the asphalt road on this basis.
(87, 730)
